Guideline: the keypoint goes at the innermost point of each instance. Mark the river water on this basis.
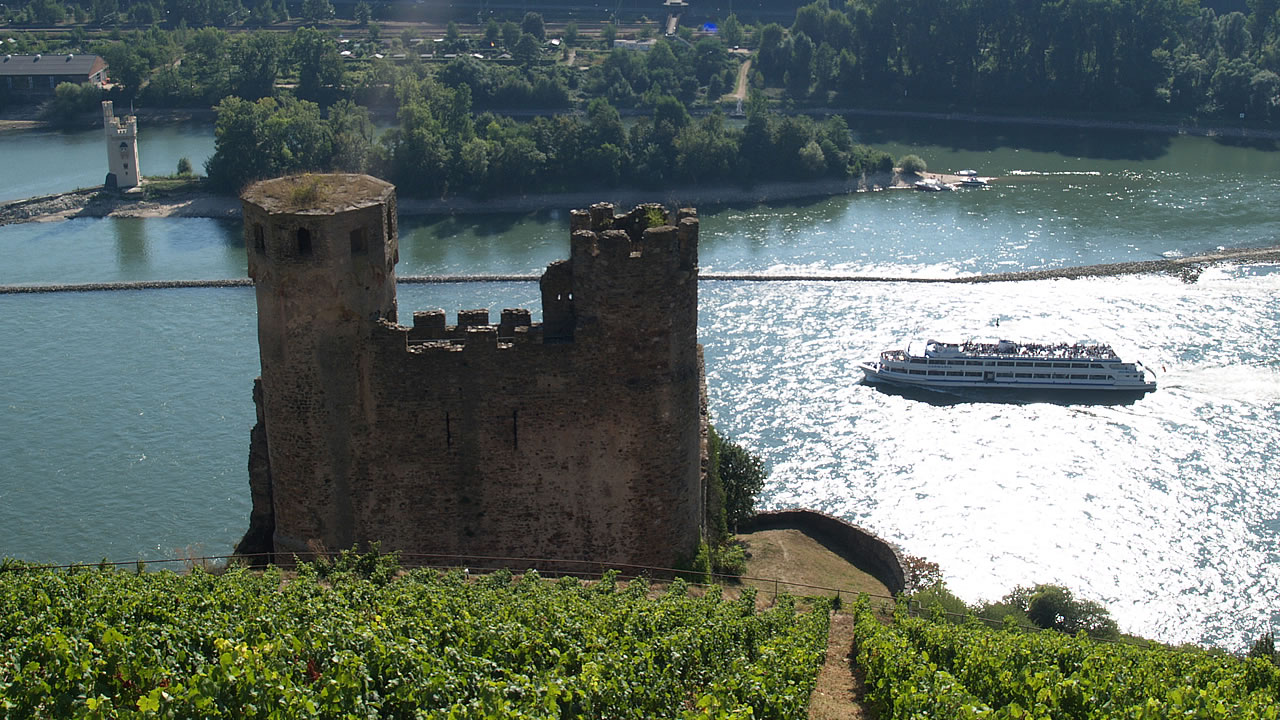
(125, 416)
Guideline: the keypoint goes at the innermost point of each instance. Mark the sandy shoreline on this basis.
(94, 202)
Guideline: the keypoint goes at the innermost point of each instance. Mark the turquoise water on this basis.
(50, 161)
(125, 416)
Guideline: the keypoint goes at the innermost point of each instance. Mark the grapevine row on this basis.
(921, 667)
(114, 644)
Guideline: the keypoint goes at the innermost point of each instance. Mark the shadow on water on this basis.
(952, 397)
(480, 225)
(962, 135)
(1263, 144)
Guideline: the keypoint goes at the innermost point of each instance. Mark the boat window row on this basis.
(1009, 363)
(1034, 376)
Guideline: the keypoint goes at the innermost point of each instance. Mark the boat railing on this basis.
(1060, 351)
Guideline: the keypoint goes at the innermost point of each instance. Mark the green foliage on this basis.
(184, 166)
(940, 603)
(71, 102)
(912, 164)
(1265, 648)
(916, 667)
(1055, 607)
(742, 476)
(920, 574)
(375, 566)
(268, 138)
(118, 645)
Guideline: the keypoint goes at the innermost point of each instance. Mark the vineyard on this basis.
(99, 643)
(918, 667)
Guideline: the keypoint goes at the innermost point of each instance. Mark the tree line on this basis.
(1041, 55)
(439, 146)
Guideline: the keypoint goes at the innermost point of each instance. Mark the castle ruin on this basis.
(577, 438)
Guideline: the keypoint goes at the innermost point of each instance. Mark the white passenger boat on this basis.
(1010, 365)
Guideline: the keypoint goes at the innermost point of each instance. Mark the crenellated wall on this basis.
(577, 438)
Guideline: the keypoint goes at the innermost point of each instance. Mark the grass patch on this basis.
(791, 556)
(154, 188)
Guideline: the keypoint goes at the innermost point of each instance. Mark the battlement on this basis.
(473, 329)
(648, 233)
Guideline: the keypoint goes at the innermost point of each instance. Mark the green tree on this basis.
(527, 51)
(184, 166)
(352, 131)
(492, 33)
(533, 25)
(71, 102)
(571, 34)
(510, 35)
(742, 477)
(912, 164)
(125, 67)
(315, 11)
(608, 34)
(255, 140)
(364, 13)
(1055, 607)
(731, 31)
(706, 152)
(256, 59)
(320, 70)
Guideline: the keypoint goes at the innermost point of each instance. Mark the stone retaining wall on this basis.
(859, 547)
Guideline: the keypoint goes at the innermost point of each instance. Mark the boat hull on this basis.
(875, 374)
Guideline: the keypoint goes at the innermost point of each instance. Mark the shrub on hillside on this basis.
(912, 164)
(1055, 607)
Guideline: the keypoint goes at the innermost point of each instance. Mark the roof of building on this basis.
(51, 64)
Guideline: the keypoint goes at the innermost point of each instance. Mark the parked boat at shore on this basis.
(1009, 365)
(932, 185)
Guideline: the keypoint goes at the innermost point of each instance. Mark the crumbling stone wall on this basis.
(576, 438)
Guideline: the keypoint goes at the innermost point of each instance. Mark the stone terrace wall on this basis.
(851, 542)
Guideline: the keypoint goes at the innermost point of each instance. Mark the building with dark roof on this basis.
(40, 74)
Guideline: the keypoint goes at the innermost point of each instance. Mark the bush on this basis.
(184, 166)
(742, 478)
(1265, 648)
(1055, 607)
(920, 574)
(71, 102)
(375, 566)
(912, 164)
(939, 600)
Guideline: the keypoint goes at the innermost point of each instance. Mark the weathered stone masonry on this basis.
(576, 438)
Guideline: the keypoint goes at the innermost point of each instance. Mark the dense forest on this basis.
(301, 100)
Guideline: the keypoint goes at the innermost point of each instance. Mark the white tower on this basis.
(122, 148)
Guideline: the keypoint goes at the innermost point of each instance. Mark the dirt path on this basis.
(838, 693)
(740, 92)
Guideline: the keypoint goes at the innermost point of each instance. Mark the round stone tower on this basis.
(322, 252)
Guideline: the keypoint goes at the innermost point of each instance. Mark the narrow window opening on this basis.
(448, 432)
(515, 429)
(304, 241)
(259, 238)
(359, 242)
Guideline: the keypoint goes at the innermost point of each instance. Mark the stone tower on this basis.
(122, 148)
(322, 253)
(579, 438)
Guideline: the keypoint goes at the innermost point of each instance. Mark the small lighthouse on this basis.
(122, 149)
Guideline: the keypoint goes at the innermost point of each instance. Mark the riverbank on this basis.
(94, 202)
